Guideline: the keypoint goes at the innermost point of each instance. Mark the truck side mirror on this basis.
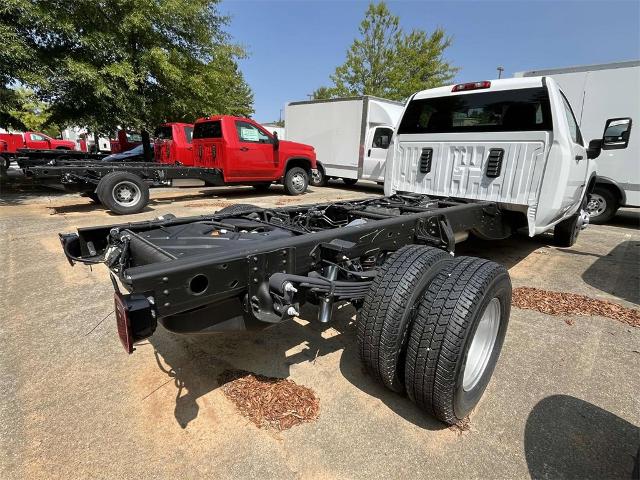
(276, 141)
(594, 149)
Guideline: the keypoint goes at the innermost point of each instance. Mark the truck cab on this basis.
(247, 153)
(515, 142)
(172, 144)
(34, 141)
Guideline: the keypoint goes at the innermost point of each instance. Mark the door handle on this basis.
(244, 149)
(579, 157)
(369, 153)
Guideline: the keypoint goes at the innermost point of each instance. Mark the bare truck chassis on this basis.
(428, 324)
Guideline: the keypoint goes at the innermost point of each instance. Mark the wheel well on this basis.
(611, 187)
(301, 162)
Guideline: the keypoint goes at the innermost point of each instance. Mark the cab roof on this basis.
(496, 85)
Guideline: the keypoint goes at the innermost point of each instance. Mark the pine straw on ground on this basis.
(561, 303)
(270, 402)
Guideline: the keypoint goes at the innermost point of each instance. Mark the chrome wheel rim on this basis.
(317, 177)
(482, 345)
(297, 181)
(597, 205)
(126, 194)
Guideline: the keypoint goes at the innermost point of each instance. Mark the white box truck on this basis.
(350, 135)
(606, 101)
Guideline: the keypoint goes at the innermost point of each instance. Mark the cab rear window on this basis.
(526, 109)
(188, 134)
(211, 129)
(164, 133)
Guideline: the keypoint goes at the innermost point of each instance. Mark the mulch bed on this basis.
(269, 402)
(561, 303)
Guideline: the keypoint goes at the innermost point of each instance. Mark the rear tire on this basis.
(296, 181)
(456, 337)
(350, 181)
(602, 205)
(123, 193)
(319, 179)
(565, 233)
(389, 308)
(5, 163)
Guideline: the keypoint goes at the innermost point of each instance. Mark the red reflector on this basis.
(123, 323)
(461, 87)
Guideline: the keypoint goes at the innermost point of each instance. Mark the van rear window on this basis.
(526, 109)
(208, 130)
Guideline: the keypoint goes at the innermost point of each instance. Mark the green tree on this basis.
(31, 113)
(387, 62)
(124, 63)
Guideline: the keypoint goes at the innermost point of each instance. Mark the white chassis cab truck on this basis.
(515, 142)
(606, 101)
(350, 135)
(486, 157)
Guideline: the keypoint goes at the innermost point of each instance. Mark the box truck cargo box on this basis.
(351, 135)
(606, 100)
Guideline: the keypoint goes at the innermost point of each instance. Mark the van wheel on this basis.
(123, 193)
(389, 308)
(602, 205)
(296, 181)
(350, 181)
(319, 179)
(456, 337)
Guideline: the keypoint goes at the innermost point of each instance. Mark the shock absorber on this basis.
(326, 303)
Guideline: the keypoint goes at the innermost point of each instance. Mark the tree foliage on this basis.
(387, 62)
(131, 63)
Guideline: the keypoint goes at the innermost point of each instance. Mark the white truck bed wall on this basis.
(458, 168)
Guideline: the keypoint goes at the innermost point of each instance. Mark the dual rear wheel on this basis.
(433, 327)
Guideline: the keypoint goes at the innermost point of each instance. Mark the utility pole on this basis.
(500, 70)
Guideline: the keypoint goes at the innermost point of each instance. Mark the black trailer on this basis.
(429, 324)
(122, 187)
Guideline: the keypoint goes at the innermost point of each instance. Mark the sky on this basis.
(294, 46)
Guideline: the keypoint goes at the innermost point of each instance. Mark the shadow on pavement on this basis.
(626, 218)
(618, 272)
(566, 437)
(195, 362)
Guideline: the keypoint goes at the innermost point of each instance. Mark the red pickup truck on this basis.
(10, 143)
(246, 152)
(172, 144)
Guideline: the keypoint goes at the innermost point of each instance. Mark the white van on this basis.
(513, 141)
(606, 98)
(350, 135)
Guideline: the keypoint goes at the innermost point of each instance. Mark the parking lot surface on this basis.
(563, 401)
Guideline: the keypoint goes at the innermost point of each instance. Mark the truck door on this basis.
(254, 157)
(578, 169)
(37, 141)
(378, 140)
(186, 147)
(208, 145)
